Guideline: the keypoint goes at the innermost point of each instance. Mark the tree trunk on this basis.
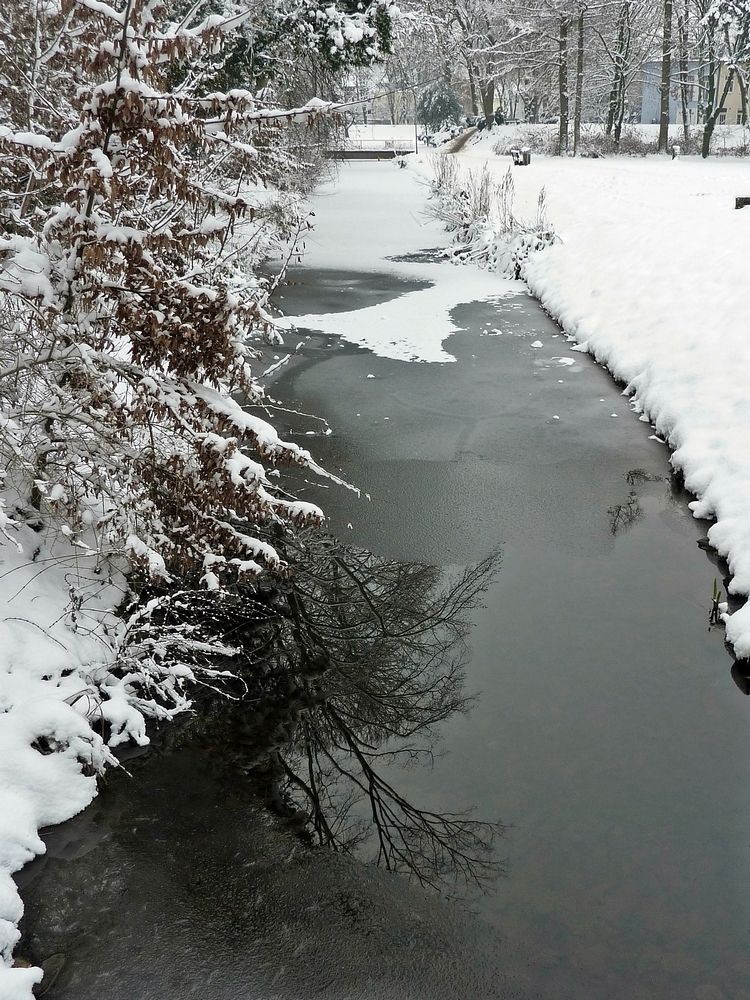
(666, 72)
(563, 87)
(743, 96)
(487, 90)
(682, 30)
(391, 101)
(579, 84)
(472, 90)
(612, 102)
(706, 78)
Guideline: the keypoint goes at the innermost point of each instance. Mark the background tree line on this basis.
(571, 61)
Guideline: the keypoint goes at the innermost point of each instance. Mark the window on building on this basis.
(739, 116)
(722, 118)
(731, 83)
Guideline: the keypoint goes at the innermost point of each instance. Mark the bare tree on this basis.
(725, 36)
(683, 49)
(578, 112)
(562, 80)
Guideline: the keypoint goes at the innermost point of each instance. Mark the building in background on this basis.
(730, 114)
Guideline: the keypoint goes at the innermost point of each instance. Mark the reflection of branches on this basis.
(431, 846)
(377, 656)
(623, 515)
(362, 659)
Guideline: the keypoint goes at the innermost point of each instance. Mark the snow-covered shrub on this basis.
(464, 201)
(594, 142)
(728, 140)
(632, 142)
(538, 139)
(128, 296)
(479, 213)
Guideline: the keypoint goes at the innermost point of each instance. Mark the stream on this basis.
(610, 732)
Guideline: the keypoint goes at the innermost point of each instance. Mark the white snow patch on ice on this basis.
(413, 326)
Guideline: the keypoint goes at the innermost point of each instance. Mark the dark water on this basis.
(176, 884)
(609, 733)
(339, 291)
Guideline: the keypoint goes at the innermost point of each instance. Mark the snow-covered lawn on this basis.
(653, 275)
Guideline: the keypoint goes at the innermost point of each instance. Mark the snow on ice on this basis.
(413, 326)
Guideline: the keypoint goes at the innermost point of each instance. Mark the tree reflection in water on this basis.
(355, 662)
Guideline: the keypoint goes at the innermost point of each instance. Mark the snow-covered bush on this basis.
(135, 205)
(634, 140)
(133, 227)
(539, 139)
(728, 140)
(289, 47)
(479, 214)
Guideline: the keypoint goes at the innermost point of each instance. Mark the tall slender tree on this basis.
(666, 76)
(562, 78)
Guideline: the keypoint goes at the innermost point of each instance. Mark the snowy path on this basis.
(653, 275)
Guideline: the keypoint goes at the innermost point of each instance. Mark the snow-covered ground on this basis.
(653, 276)
(56, 648)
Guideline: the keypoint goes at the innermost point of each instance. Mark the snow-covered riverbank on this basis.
(653, 276)
(56, 652)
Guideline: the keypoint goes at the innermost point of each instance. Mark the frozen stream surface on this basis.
(611, 734)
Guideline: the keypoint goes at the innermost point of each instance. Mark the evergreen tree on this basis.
(439, 107)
